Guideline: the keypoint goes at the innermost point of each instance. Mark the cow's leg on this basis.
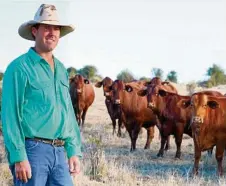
(219, 157)
(167, 146)
(84, 116)
(134, 134)
(119, 127)
(131, 138)
(114, 125)
(78, 117)
(179, 130)
(163, 142)
(210, 152)
(178, 141)
(197, 156)
(150, 136)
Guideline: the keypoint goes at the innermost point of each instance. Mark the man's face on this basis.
(46, 37)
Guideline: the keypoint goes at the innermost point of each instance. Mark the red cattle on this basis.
(114, 110)
(208, 126)
(156, 102)
(172, 109)
(82, 96)
(134, 111)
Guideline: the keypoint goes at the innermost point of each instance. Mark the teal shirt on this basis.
(36, 103)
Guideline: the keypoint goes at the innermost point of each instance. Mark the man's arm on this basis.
(73, 142)
(13, 90)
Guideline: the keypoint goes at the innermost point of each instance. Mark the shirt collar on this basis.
(34, 55)
(36, 58)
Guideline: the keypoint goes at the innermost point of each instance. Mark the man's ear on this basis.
(34, 31)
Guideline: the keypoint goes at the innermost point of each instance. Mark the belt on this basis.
(54, 142)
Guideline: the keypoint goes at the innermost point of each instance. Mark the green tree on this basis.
(145, 78)
(125, 76)
(217, 76)
(1, 75)
(172, 76)
(157, 72)
(88, 71)
(71, 71)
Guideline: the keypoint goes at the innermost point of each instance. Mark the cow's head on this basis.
(202, 105)
(106, 83)
(154, 81)
(77, 84)
(155, 96)
(117, 89)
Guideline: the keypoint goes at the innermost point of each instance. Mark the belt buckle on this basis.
(53, 142)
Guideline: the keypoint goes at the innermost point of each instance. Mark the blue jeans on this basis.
(48, 166)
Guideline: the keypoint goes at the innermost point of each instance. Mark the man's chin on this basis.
(50, 49)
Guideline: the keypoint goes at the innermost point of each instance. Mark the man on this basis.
(37, 114)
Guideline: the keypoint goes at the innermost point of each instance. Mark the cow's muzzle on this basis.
(117, 102)
(151, 105)
(79, 91)
(107, 94)
(197, 119)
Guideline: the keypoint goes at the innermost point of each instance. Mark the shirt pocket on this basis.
(41, 91)
(64, 89)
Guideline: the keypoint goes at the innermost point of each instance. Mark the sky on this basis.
(187, 36)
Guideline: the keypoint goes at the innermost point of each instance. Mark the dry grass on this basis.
(108, 161)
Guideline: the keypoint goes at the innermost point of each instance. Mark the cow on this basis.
(172, 111)
(208, 125)
(135, 114)
(155, 102)
(114, 110)
(82, 97)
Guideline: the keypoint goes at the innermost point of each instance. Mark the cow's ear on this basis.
(71, 79)
(165, 83)
(86, 81)
(213, 104)
(147, 83)
(142, 92)
(128, 88)
(99, 84)
(162, 93)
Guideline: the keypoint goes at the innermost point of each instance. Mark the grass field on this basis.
(108, 161)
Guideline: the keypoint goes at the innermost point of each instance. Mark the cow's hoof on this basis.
(167, 148)
(177, 156)
(160, 155)
(147, 147)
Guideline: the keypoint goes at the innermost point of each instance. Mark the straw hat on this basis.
(46, 14)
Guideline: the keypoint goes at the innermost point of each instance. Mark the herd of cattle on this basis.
(157, 103)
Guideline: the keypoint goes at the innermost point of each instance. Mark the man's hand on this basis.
(23, 171)
(74, 165)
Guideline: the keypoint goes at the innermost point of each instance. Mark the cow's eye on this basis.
(204, 106)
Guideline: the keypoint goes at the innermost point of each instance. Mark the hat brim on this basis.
(25, 29)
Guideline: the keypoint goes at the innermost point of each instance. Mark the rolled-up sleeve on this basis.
(14, 83)
(73, 142)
